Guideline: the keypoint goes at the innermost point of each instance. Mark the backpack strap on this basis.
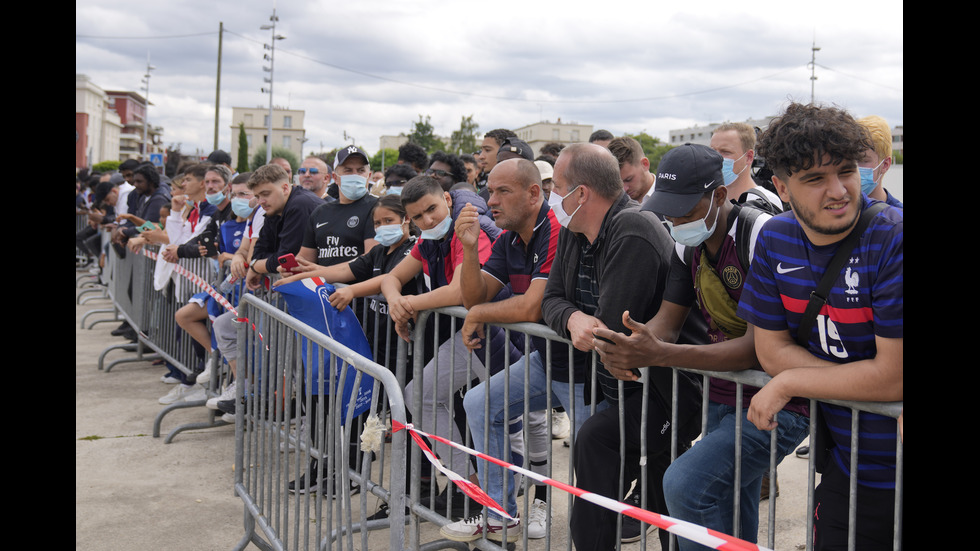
(818, 297)
(743, 234)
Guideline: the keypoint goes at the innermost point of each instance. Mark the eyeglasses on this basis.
(312, 170)
(437, 172)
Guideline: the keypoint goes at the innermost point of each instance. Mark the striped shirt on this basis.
(865, 302)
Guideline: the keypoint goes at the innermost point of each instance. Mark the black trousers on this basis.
(597, 461)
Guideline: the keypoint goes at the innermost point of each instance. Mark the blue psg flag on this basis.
(308, 302)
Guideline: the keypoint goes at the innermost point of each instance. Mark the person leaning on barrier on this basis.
(365, 273)
(150, 196)
(339, 231)
(613, 258)
(522, 258)
(706, 273)
(287, 210)
(439, 254)
(854, 350)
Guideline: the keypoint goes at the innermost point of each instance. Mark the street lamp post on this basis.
(271, 58)
(146, 108)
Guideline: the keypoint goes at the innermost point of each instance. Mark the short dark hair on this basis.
(405, 171)
(500, 135)
(149, 172)
(552, 148)
(418, 187)
(391, 202)
(413, 154)
(242, 178)
(600, 135)
(805, 133)
(128, 164)
(456, 165)
(198, 171)
(626, 150)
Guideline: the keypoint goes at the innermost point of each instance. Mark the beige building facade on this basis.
(287, 129)
(540, 133)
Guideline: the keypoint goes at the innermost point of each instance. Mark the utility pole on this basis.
(813, 67)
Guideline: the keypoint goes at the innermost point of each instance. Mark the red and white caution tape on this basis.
(693, 532)
(206, 287)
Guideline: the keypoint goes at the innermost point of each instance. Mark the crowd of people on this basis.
(708, 263)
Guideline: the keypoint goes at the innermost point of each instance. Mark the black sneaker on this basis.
(803, 451)
(632, 528)
(227, 406)
(459, 508)
(302, 486)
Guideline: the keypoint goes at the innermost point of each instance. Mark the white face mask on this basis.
(563, 218)
(439, 231)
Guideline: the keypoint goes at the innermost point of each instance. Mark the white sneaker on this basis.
(197, 393)
(537, 519)
(177, 393)
(560, 425)
(471, 529)
(227, 394)
(228, 418)
(205, 376)
(169, 380)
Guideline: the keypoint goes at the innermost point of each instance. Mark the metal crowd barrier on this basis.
(557, 344)
(278, 415)
(274, 420)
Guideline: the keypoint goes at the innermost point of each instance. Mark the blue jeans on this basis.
(492, 476)
(699, 486)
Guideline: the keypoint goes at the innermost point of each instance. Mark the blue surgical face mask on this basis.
(868, 183)
(693, 233)
(240, 207)
(353, 186)
(389, 234)
(394, 190)
(728, 169)
(215, 198)
(563, 218)
(440, 231)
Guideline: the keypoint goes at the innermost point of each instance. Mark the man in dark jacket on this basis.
(613, 258)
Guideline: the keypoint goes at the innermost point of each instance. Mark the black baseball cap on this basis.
(684, 175)
(101, 190)
(346, 152)
(219, 157)
(517, 147)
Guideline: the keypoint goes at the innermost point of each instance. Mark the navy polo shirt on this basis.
(516, 264)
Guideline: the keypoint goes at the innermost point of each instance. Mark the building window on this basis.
(556, 134)
(248, 119)
(574, 135)
(287, 121)
(285, 142)
(249, 138)
(265, 121)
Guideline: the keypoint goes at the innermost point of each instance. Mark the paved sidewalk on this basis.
(133, 491)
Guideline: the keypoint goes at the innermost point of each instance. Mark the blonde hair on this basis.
(880, 134)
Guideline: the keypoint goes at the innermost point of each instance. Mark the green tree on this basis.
(106, 166)
(423, 134)
(464, 140)
(242, 165)
(390, 157)
(653, 148)
(258, 159)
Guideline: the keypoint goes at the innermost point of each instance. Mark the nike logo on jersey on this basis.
(781, 270)
(321, 224)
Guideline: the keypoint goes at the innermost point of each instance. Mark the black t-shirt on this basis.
(337, 231)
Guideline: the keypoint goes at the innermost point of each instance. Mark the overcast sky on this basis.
(371, 67)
